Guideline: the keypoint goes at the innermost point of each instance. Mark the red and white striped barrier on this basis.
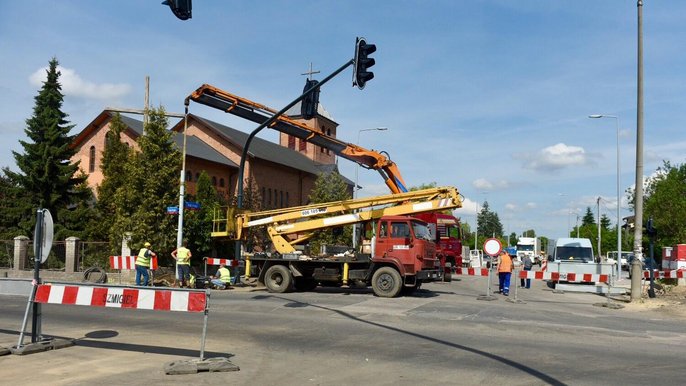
(218, 261)
(121, 297)
(667, 274)
(544, 265)
(129, 262)
(565, 276)
(472, 271)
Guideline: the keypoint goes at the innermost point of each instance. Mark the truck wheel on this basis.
(387, 282)
(278, 279)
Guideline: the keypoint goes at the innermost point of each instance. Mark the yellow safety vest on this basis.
(142, 260)
(224, 275)
(183, 256)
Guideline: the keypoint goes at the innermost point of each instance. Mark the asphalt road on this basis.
(442, 335)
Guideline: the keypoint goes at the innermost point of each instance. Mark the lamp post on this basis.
(476, 221)
(619, 197)
(357, 168)
(566, 232)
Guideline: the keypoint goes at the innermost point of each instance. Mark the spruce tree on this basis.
(47, 177)
(152, 185)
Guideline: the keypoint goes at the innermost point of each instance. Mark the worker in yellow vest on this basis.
(183, 255)
(223, 277)
(143, 263)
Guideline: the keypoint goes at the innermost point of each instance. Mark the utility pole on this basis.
(638, 193)
(599, 252)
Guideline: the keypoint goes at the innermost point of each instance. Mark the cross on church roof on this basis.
(309, 73)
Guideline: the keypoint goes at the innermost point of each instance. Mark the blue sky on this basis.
(490, 96)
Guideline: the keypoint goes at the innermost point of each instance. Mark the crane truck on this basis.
(449, 248)
(396, 250)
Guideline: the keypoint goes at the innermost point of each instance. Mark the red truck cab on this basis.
(447, 233)
(406, 241)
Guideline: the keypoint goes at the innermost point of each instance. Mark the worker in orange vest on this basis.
(505, 268)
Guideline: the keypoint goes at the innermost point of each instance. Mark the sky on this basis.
(489, 96)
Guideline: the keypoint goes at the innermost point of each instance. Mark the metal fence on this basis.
(6, 253)
(56, 258)
(89, 254)
(93, 254)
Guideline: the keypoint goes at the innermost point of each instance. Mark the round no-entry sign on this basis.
(492, 247)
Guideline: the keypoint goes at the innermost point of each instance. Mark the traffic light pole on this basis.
(244, 153)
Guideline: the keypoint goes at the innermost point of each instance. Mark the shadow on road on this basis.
(529, 370)
(87, 341)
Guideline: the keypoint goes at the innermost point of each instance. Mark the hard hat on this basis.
(147, 244)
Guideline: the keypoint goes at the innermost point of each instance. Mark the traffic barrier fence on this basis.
(129, 262)
(135, 298)
(666, 274)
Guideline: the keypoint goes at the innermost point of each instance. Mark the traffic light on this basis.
(362, 75)
(181, 8)
(650, 228)
(309, 104)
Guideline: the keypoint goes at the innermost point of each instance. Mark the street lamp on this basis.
(619, 218)
(357, 168)
(566, 233)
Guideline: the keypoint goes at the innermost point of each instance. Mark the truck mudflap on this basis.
(427, 275)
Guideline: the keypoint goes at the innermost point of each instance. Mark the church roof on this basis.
(264, 149)
(195, 147)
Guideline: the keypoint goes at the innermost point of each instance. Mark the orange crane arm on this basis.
(219, 99)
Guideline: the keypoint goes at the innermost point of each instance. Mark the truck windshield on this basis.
(521, 247)
(421, 231)
(574, 254)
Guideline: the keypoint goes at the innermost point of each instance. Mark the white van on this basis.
(570, 250)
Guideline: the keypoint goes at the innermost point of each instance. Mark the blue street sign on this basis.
(191, 205)
(172, 210)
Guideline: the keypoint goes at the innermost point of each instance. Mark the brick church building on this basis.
(284, 173)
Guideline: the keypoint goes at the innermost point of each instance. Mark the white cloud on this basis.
(531, 205)
(484, 184)
(558, 156)
(74, 85)
(510, 206)
(469, 208)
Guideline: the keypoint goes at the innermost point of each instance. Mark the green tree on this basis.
(489, 223)
(327, 188)
(529, 233)
(256, 238)
(467, 235)
(152, 176)
(423, 186)
(47, 178)
(513, 239)
(605, 222)
(589, 218)
(115, 157)
(11, 215)
(198, 223)
(665, 202)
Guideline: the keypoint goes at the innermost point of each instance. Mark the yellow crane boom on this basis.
(301, 221)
